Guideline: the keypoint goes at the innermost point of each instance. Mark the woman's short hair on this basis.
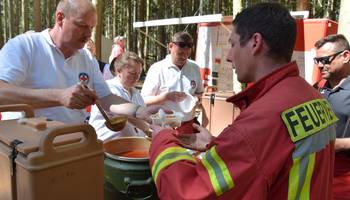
(118, 38)
(122, 61)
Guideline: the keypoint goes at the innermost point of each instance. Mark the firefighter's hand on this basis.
(156, 129)
(197, 141)
(77, 97)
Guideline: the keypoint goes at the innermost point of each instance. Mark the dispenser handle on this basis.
(46, 142)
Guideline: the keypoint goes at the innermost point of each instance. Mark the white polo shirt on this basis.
(164, 76)
(33, 61)
(98, 122)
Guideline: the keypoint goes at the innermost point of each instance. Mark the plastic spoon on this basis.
(161, 115)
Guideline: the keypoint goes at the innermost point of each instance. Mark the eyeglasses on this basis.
(184, 44)
(327, 60)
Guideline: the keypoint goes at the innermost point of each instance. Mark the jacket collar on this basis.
(258, 89)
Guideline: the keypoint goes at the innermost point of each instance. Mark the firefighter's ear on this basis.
(256, 43)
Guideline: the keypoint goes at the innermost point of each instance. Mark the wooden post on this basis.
(37, 16)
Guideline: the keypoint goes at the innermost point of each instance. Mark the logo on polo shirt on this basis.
(193, 84)
(83, 78)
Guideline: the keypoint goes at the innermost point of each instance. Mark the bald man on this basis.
(43, 69)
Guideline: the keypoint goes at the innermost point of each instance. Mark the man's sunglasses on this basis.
(183, 44)
(327, 60)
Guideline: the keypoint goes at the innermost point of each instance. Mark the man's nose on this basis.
(89, 30)
(320, 65)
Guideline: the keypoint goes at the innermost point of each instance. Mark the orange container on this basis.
(308, 32)
(42, 159)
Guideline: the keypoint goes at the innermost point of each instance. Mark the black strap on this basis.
(12, 158)
(14, 154)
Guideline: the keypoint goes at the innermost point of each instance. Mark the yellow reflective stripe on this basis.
(305, 191)
(223, 168)
(308, 118)
(213, 180)
(165, 152)
(219, 174)
(300, 181)
(168, 157)
(293, 179)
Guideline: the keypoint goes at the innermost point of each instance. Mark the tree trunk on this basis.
(98, 30)
(16, 16)
(53, 12)
(141, 38)
(302, 5)
(218, 5)
(335, 6)
(37, 15)
(48, 13)
(146, 48)
(1, 22)
(344, 19)
(133, 31)
(6, 18)
(11, 18)
(123, 28)
(25, 22)
(115, 17)
(128, 28)
(161, 30)
(44, 13)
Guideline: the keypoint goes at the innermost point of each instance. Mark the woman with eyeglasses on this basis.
(332, 58)
(126, 70)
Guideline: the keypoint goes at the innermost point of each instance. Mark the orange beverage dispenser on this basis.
(41, 159)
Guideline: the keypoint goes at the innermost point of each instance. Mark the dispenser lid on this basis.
(29, 131)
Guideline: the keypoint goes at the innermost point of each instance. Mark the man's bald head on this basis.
(74, 7)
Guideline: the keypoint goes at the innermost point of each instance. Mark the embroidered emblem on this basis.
(84, 78)
(193, 84)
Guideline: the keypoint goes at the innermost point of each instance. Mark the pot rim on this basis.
(123, 158)
(129, 159)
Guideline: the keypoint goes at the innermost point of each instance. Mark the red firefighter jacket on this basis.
(281, 146)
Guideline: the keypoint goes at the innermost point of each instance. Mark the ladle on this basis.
(120, 122)
(115, 123)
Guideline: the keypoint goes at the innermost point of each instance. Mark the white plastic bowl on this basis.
(188, 103)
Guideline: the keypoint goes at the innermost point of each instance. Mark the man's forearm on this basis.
(37, 98)
(118, 105)
(154, 100)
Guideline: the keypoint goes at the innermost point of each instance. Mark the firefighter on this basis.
(281, 146)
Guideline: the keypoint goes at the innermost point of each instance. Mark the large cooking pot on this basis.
(127, 171)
